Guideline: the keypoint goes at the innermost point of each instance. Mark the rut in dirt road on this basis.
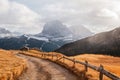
(39, 69)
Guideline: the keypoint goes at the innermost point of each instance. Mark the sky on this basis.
(29, 16)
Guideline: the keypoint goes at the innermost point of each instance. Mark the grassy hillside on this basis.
(10, 66)
(107, 43)
(110, 63)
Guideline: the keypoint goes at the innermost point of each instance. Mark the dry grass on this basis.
(110, 63)
(10, 66)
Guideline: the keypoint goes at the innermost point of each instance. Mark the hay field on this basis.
(110, 63)
(11, 66)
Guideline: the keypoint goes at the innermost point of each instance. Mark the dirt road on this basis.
(39, 69)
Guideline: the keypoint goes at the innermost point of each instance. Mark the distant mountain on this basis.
(18, 42)
(55, 29)
(54, 35)
(30, 41)
(79, 32)
(4, 32)
(105, 43)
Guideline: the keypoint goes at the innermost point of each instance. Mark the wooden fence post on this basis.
(57, 57)
(52, 56)
(86, 66)
(63, 59)
(44, 55)
(73, 62)
(101, 74)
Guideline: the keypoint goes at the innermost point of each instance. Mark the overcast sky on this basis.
(29, 16)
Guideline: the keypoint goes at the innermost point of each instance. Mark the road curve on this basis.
(39, 69)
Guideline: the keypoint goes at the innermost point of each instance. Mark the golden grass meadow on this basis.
(10, 66)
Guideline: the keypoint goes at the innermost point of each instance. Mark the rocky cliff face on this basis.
(55, 29)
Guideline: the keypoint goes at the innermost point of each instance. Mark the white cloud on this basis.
(4, 6)
(105, 13)
(16, 16)
(96, 15)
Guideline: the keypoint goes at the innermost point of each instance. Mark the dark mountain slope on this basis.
(54, 35)
(18, 42)
(105, 43)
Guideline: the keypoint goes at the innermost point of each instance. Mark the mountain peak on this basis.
(56, 28)
(79, 32)
(54, 22)
(4, 31)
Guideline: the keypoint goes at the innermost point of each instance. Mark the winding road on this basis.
(39, 69)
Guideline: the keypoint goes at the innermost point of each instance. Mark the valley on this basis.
(59, 40)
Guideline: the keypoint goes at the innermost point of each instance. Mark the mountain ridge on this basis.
(105, 43)
(54, 35)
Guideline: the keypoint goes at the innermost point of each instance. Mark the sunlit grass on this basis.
(11, 66)
(110, 63)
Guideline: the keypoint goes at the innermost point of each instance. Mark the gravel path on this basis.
(39, 69)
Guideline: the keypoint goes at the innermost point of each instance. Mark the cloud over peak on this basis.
(96, 15)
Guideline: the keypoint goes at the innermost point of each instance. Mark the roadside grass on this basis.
(11, 66)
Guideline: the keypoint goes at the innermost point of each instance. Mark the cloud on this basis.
(15, 16)
(105, 13)
(96, 15)
(102, 15)
(4, 6)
